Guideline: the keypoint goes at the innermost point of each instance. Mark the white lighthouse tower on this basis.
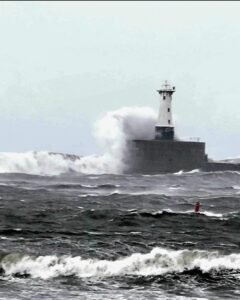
(164, 129)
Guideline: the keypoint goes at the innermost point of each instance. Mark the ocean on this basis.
(92, 236)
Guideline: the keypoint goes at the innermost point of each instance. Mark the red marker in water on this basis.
(197, 207)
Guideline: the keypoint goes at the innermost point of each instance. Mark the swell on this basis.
(92, 218)
(135, 213)
(83, 186)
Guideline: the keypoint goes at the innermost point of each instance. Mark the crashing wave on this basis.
(157, 262)
(111, 131)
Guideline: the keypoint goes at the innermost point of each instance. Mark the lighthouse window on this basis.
(168, 110)
(168, 121)
(164, 97)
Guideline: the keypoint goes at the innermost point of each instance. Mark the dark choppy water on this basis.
(120, 237)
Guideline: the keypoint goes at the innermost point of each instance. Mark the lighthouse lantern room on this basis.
(164, 129)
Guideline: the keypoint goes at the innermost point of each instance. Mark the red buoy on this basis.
(197, 207)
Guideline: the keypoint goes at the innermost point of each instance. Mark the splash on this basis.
(117, 127)
(112, 132)
(157, 262)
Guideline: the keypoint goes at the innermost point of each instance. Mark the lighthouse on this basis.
(164, 129)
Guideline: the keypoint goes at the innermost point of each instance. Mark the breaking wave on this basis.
(157, 262)
(111, 131)
(234, 160)
(181, 172)
(188, 212)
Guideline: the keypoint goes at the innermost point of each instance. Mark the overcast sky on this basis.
(63, 64)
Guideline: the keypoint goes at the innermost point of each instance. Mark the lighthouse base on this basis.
(164, 133)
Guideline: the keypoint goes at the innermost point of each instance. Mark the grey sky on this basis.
(63, 64)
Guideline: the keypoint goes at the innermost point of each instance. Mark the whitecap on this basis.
(211, 214)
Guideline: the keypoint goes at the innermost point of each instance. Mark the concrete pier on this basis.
(169, 156)
(165, 156)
